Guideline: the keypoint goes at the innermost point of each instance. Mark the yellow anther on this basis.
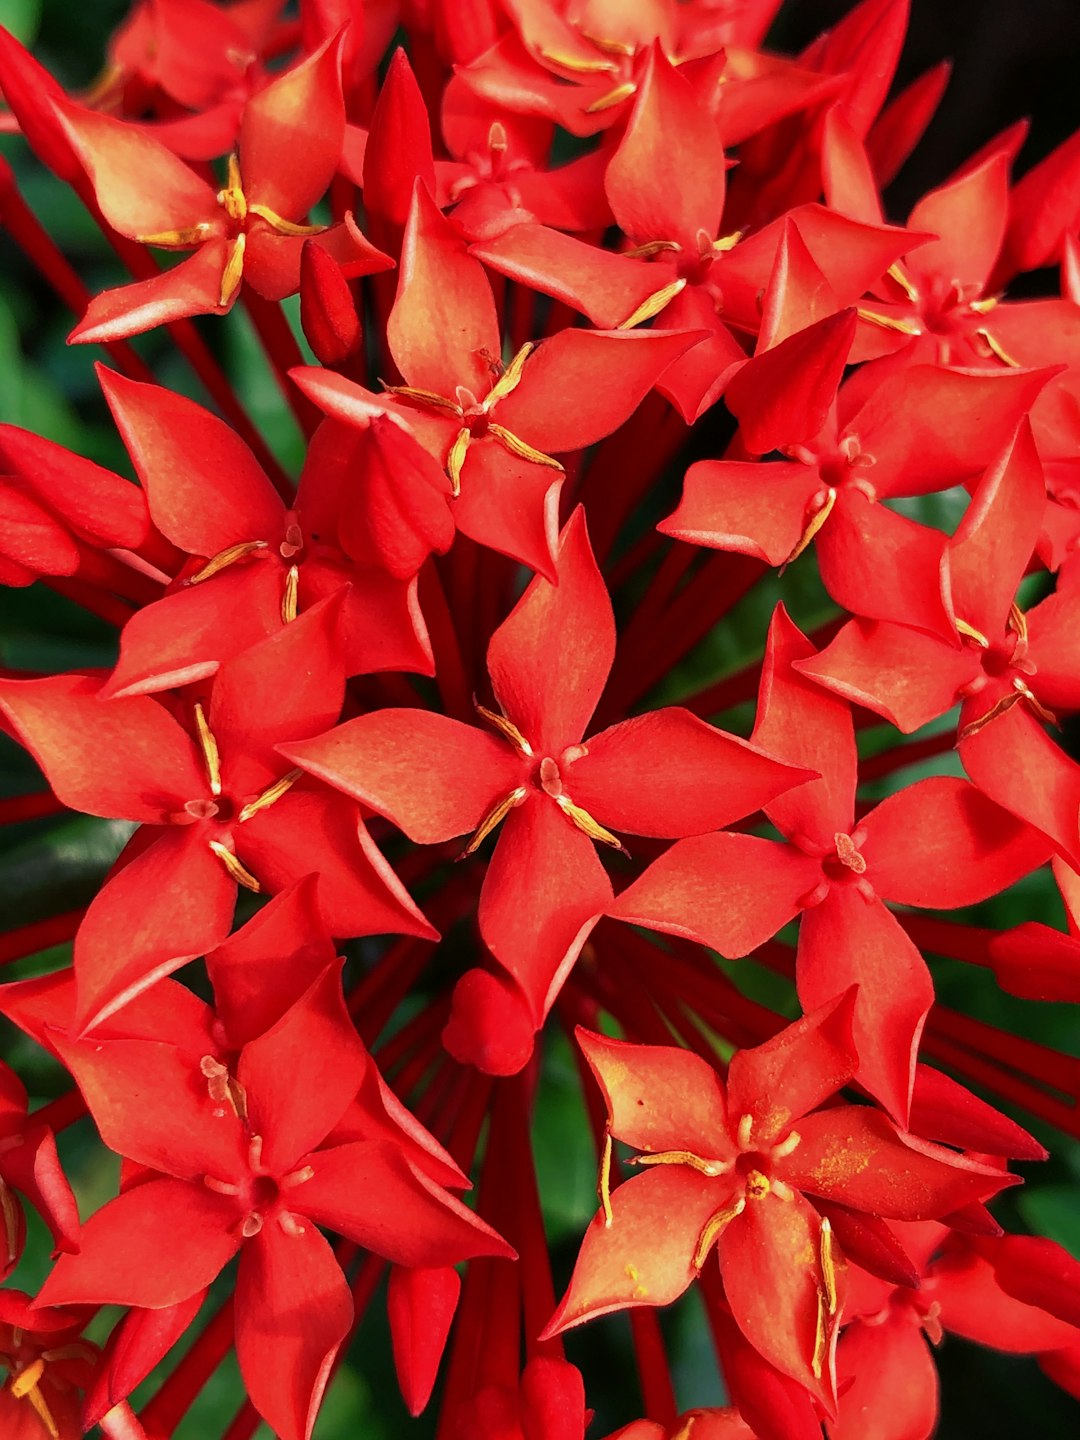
(787, 1145)
(1040, 710)
(821, 1337)
(683, 1157)
(456, 459)
(746, 1126)
(270, 795)
(603, 1188)
(234, 867)
(651, 248)
(424, 397)
(979, 638)
(997, 349)
(579, 64)
(712, 1229)
(27, 1379)
(510, 379)
(847, 854)
(611, 47)
(178, 239)
(889, 322)
(209, 747)
(757, 1185)
(42, 1411)
(224, 558)
(613, 97)
(653, 305)
(233, 272)
(505, 728)
(517, 446)
(828, 1265)
(495, 816)
(289, 598)
(1005, 703)
(895, 272)
(9, 1214)
(782, 1191)
(983, 307)
(1018, 621)
(224, 1089)
(587, 825)
(281, 225)
(253, 1223)
(497, 140)
(814, 524)
(728, 242)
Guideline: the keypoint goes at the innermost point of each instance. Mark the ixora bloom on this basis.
(240, 1162)
(740, 1166)
(47, 1364)
(533, 772)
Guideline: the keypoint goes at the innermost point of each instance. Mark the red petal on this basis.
(975, 1305)
(994, 540)
(543, 891)
(888, 1381)
(729, 892)
(755, 509)
(174, 901)
(851, 940)
(136, 1346)
(581, 385)
(154, 1245)
(191, 288)
(778, 1082)
(855, 1155)
(369, 1192)
(1039, 1272)
(180, 451)
(807, 726)
(968, 215)
(32, 538)
(646, 1255)
(653, 199)
(667, 773)
(491, 1024)
(510, 505)
(432, 776)
(293, 1310)
(769, 1261)
(940, 844)
(292, 134)
(151, 1103)
(902, 123)
(122, 759)
(420, 1305)
(118, 157)
(398, 150)
(659, 1097)
(303, 1073)
(443, 330)
(267, 965)
(942, 1109)
(97, 504)
(549, 660)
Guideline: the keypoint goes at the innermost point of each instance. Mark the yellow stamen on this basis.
(653, 305)
(233, 272)
(712, 1229)
(585, 823)
(506, 728)
(613, 97)
(828, 1265)
(998, 349)
(727, 242)
(10, 1216)
(682, 1157)
(270, 795)
(209, 747)
(517, 446)
(1040, 710)
(580, 65)
(233, 866)
(1005, 703)
(177, 239)
(743, 1134)
(424, 397)
(816, 521)
(223, 1090)
(42, 1411)
(1018, 621)
(510, 379)
(456, 459)
(786, 1146)
(821, 1338)
(283, 226)
(896, 273)
(888, 322)
(983, 307)
(604, 1186)
(232, 196)
(972, 634)
(612, 47)
(757, 1185)
(495, 816)
(289, 598)
(847, 854)
(27, 1379)
(651, 248)
(225, 557)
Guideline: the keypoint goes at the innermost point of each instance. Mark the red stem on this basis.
(17, 808)
(179, 1392)
(41, 935)
(280, 346)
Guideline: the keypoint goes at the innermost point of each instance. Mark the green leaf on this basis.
(1052, 1210)
(22, 18)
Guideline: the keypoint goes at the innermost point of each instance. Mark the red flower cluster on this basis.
(533, 259)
